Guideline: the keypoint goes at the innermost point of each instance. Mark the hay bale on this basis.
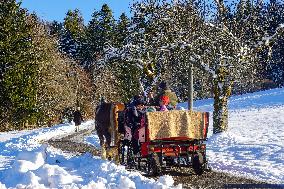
(175, 123)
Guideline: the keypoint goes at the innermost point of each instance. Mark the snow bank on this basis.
(86, 172)
(37, 165)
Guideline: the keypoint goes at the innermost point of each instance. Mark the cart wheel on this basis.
(197, 163)
(153, 165)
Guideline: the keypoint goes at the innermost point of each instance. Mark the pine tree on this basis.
(127, 74)
(18, 68)
(55, 29)
(121, 30)
(100, 35)
(72, 35)
(274, 67)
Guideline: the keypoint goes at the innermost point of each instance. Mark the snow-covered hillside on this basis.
(253, 147)
(254, 143)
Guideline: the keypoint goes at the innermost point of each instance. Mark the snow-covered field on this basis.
(254, 143)
(253, 147)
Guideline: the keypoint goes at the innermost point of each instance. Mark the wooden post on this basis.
(190, 88)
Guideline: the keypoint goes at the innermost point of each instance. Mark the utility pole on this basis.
(190, 88)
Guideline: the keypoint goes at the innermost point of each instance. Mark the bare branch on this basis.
(221, 9)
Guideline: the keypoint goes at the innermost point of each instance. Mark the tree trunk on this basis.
(222, 91)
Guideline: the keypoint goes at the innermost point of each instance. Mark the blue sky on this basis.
(50, 10)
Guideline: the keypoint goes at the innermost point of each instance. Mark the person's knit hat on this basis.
(165, 100)
(139, 101)
(164, 85)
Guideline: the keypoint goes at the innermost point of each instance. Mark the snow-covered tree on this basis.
(233, 48)
(224, 45)
(126, 72)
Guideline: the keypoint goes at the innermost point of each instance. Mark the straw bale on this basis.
(175, 123)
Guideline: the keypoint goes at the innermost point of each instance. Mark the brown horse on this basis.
(107, 127)
(103, 123)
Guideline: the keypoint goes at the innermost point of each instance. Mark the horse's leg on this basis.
(101, 138)
(108, 139)
(117, 149)
(107, 136)
(103, 148)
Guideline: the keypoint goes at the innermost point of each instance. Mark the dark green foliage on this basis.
(274, 16)
(18, 68)
(35, 83)
(55, 28)
(100, 34)
(72, 35)
(127, 72)
(122, 30)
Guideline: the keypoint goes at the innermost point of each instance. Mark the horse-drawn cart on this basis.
(167, 139)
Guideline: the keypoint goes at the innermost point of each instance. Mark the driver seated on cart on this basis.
(134, 115)
(164, 90)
